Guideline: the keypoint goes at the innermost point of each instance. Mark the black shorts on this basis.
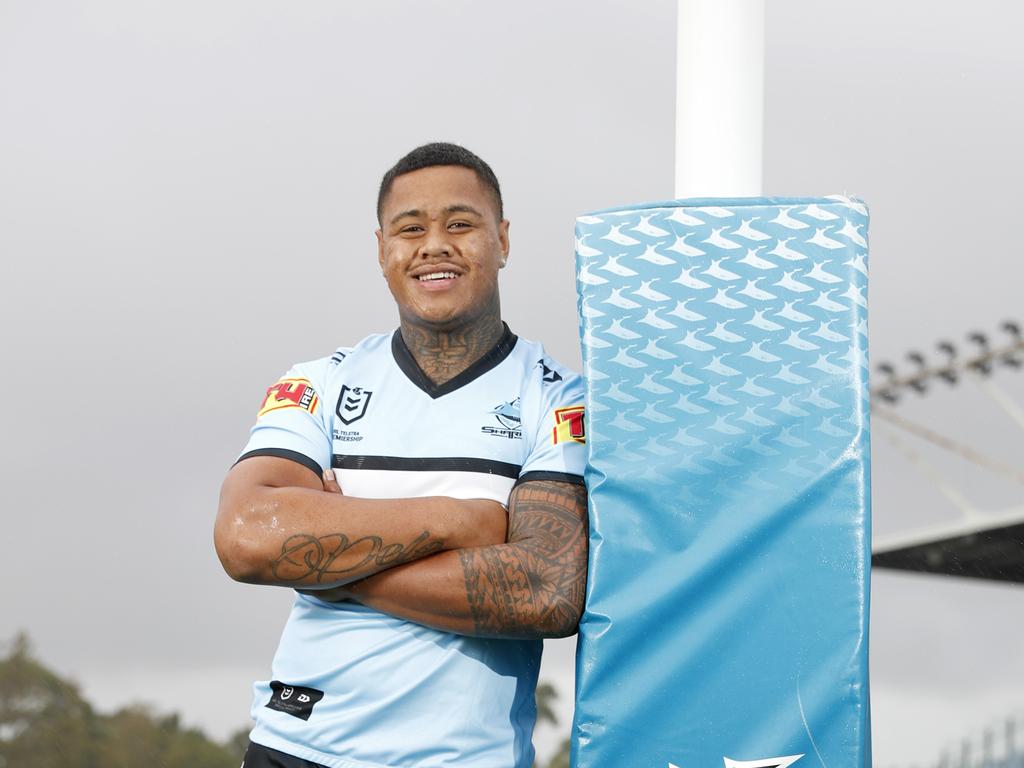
(258, 756)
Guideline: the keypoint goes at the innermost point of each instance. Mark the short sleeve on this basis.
(559, 441)
(291, 423)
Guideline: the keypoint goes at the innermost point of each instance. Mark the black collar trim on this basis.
(491, 359)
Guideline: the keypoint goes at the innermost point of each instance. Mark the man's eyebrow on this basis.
(457, 208)
(461, 208)
(414, 212)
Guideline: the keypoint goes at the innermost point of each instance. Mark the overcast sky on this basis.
(187, 207)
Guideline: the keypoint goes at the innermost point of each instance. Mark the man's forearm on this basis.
(299, 536)
(333, 540)
(531, 587)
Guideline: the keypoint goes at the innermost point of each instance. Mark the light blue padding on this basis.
(725, 355)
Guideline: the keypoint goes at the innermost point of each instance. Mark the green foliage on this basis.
(546, 695)
(45, 723)
(561, 758)
(238, 741)
(136, 737)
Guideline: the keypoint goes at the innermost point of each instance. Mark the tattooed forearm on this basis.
(336, 558)
(535, 584)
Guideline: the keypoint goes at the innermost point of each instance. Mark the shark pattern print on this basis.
(725, 358)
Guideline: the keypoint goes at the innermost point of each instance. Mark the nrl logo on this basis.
(766, 762)
(352, 403)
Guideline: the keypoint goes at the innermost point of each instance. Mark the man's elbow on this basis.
(239, 560)
(558, 614)
(561, 618)
(566, 627)
(239, 549)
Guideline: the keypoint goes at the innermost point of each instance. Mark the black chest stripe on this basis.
(433, 464)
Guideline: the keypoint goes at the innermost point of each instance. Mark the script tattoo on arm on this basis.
(335, 558)
(537, 582)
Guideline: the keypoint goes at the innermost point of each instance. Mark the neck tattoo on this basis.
(443, 355)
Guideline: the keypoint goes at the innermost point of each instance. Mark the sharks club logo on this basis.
(509, 419)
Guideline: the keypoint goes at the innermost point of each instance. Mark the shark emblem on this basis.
(508, 414)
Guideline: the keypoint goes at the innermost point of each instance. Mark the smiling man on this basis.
(422, 492)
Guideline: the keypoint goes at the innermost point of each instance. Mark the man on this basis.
(375, 483)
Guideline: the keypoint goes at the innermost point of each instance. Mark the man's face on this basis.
(441, 245)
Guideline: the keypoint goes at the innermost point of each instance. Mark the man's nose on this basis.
(436, 243)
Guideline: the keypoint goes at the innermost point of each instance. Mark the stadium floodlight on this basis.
(978, 545)
(982, 362)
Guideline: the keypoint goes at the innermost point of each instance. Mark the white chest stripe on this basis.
(396, 484)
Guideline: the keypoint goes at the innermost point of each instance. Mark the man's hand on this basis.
(489, 518)
(277, 525)
(531, 586)
(331, 483)
(331, 594)
(493, 518)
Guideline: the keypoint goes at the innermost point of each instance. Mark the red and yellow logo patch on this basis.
(290, 393)
(569, 425)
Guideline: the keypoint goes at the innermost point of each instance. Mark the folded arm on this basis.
(531, 586)
(276, 525)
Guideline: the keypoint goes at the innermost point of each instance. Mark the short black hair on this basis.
(440, 153)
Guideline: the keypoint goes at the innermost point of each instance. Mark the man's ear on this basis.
(380, 248)
(503, 240)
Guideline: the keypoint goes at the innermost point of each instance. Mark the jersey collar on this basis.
(415, 374)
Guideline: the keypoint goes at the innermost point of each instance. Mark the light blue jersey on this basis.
(356, 688)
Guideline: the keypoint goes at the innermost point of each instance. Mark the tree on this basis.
(561, 758)
(546, 695)
(45, 723)
(134, 736)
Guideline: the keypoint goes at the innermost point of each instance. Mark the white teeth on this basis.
(437, 276)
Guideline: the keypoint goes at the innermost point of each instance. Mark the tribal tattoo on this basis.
(538, 580)
(336, 558)
(443, 355)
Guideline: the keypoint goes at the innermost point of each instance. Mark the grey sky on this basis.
(186, 208)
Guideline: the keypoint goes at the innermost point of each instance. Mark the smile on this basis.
(436, 276)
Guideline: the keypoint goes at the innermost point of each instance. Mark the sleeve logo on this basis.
(569, 425)
(548, 374)
(290, 393)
